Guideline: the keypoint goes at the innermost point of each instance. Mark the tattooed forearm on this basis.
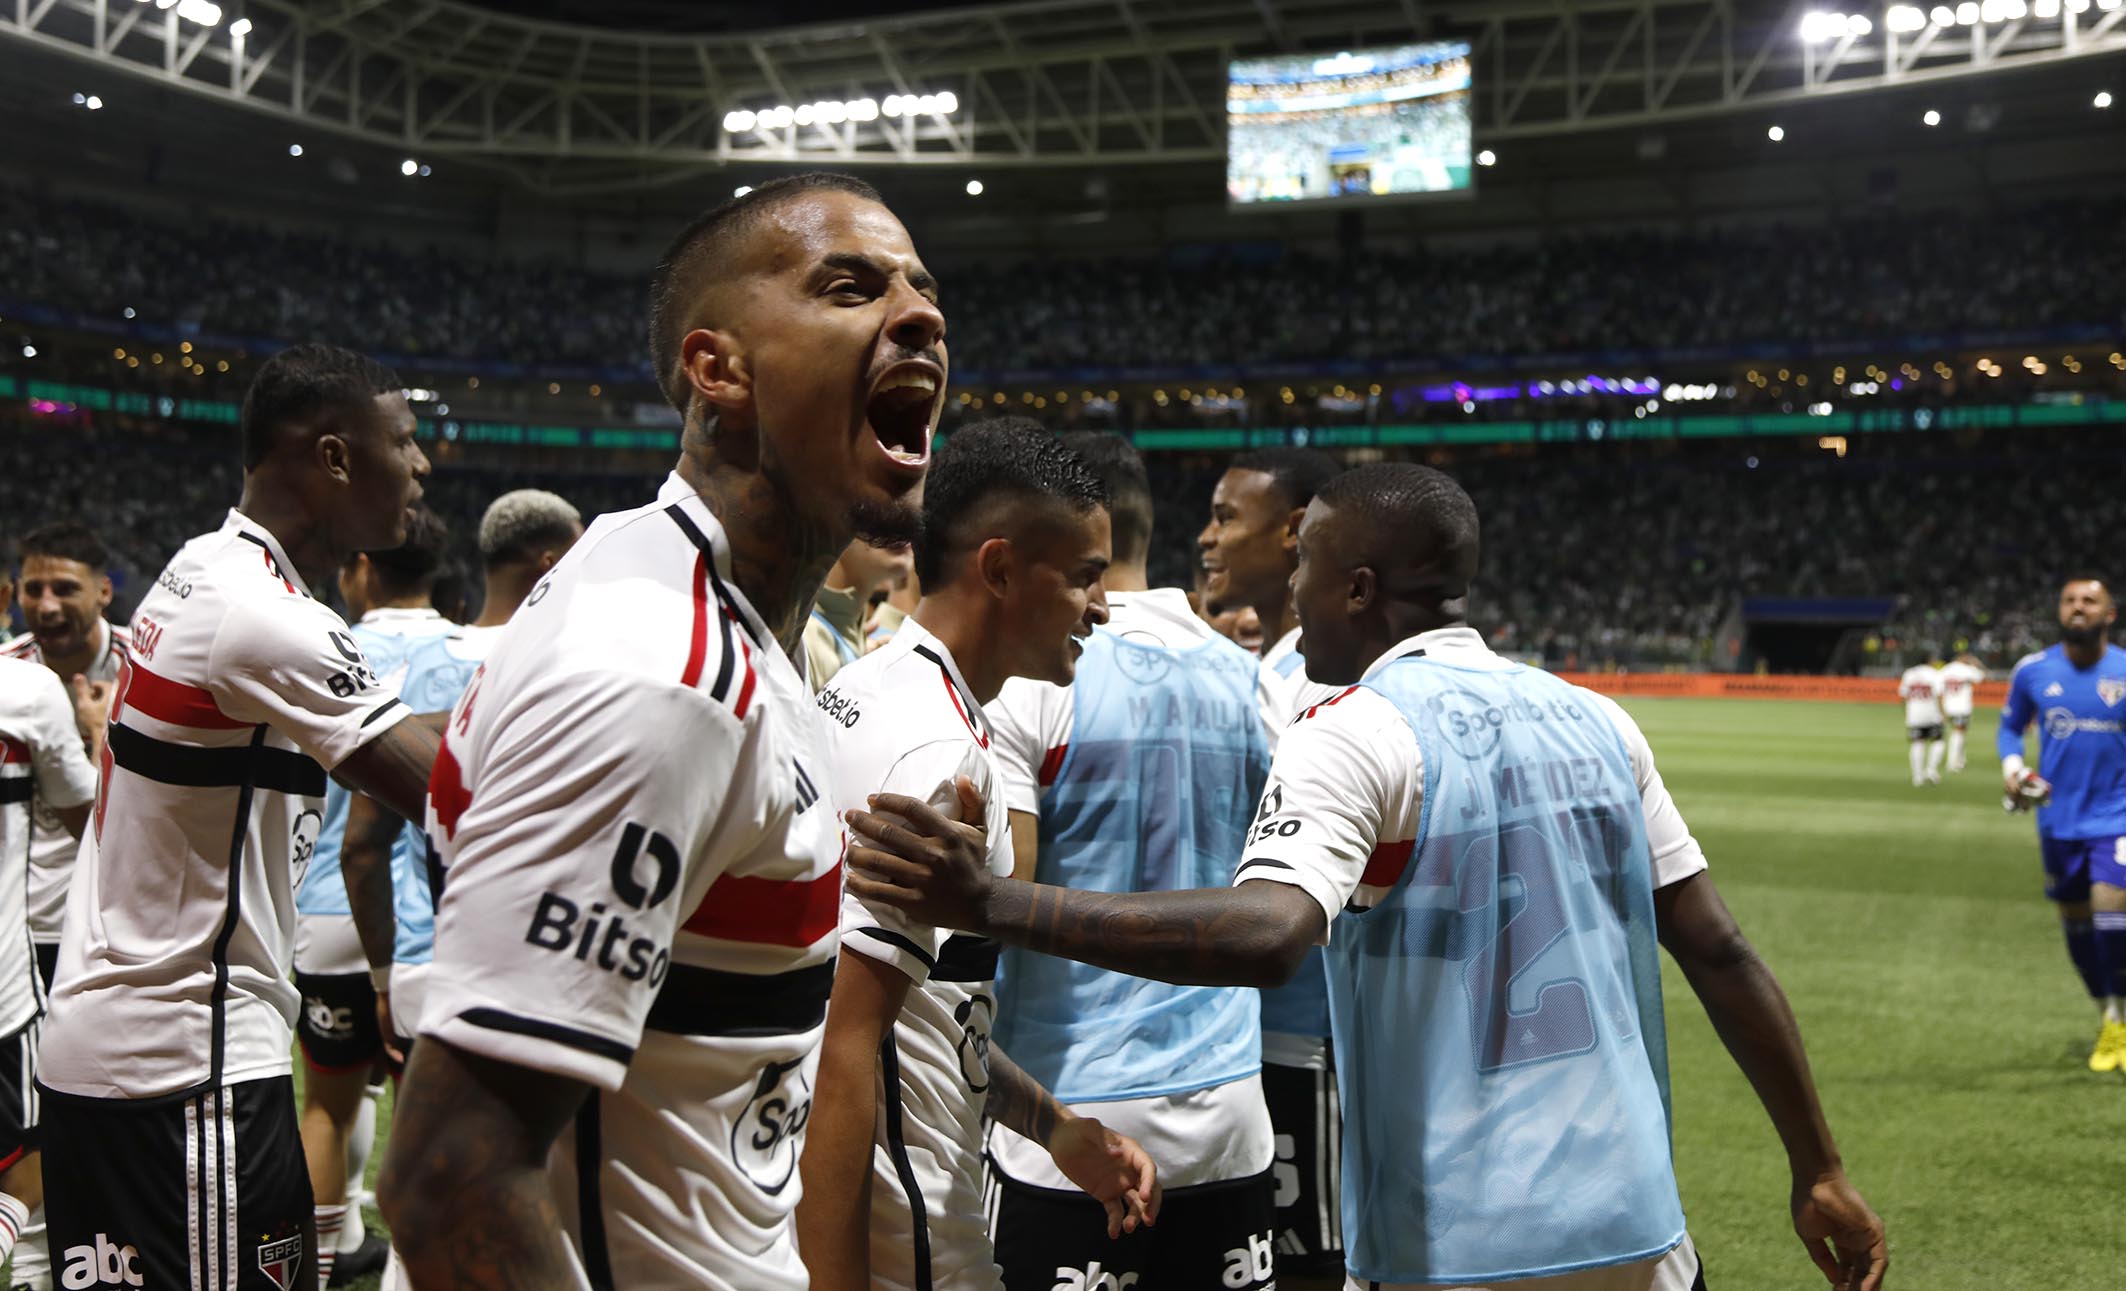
(393, 768)
(1020, 1103)
(1252, 935)
(464, 1186)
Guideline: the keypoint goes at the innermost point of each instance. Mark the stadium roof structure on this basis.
(574, 109)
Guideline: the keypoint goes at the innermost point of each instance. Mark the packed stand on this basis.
(2046, 267)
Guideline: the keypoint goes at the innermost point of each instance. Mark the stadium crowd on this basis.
(1598, 555)
(1872, 276)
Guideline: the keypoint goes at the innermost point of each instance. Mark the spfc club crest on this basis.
(281, 1260)
(2111, 690)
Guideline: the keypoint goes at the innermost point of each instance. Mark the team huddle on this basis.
(1031, 935)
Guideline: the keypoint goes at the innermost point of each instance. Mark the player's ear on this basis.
(996, 560)
(716, 369)
(1291, 528)
(103, 592)
(334, 456)
(1363, 589)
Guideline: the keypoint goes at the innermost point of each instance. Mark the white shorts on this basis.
(1675, 1271)
(326, 945)
(409, 988)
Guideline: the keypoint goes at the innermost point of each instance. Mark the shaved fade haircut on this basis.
(1297, 473)
(1412, 517)
(1006, 457)
(1129, 489)
(700, 256)
(306, 385)
(521, 524)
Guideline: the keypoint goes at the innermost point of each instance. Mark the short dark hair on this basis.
(2080, 576)
(1411, 515)
(696, 257)
(66, 540)
(412, 566)
(1003, 457)
(1120, 468)
(303, 381)
(1297, 473)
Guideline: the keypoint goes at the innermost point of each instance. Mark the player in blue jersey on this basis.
(387, 598)
(1488, 854)
(2076, 693)
(1137, 776)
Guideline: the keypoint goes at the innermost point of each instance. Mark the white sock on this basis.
(14, 1217)
(1934, 752)
(329, 1220)
(33, 1260)
(1956, 748)
(1919, 762)
(361, 1141)
(2114, 1009)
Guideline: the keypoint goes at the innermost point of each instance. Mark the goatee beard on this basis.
(2081, 636)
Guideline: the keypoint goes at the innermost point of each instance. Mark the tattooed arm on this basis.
(1255, 934)
(464, 1185)
(1110, 1167)
(393, 768)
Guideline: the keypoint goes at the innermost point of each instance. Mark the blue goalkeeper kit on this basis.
(2081, 739)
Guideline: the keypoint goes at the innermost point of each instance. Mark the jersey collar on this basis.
(681, 498)
(916, 639)
(244, 526)
(1462, 644)
(402, 614)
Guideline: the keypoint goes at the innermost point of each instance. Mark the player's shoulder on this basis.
(22, 647)
(899, 694)
(2034, 660)
(27, 688)
(1345, 714)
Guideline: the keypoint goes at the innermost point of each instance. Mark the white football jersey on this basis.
(52, 849)
(42, 766)
(1204, 1135)
(1350, 778)
(1959, 687)
(1921, 689)
(641, 877)
(240, 693)
(901, 720)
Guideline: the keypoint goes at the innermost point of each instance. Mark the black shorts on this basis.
(337, 1024)
(1213, 1235)
(18, 1095)
(207, 1192)
(1309, 1124)
(47, 961)
(1922, 734)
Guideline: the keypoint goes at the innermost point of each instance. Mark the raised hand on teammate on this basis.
(1841, 1232)
(909, 855)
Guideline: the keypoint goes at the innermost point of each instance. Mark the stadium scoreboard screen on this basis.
(1348, 127)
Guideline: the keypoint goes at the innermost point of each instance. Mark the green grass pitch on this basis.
(1947, 1031)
